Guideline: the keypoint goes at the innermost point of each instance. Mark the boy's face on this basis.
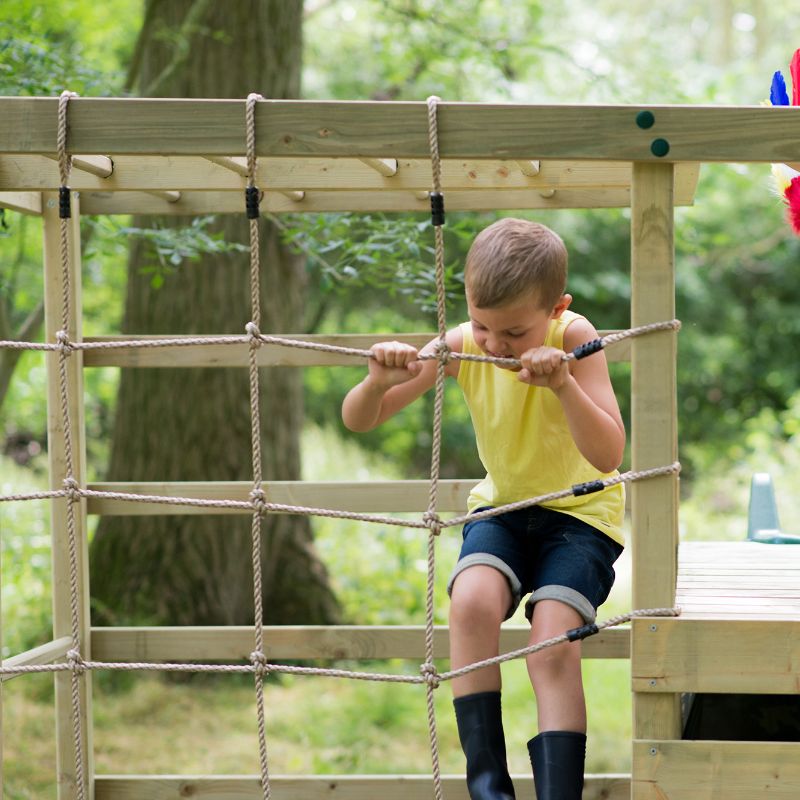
(510, 330)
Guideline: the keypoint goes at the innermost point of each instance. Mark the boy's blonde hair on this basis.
(513, 257)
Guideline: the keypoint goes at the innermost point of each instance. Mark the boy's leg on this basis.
(555, 672)
(480, 599)
(558, 753)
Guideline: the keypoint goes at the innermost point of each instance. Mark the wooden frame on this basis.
(495, 156)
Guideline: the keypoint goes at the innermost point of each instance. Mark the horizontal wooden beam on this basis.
(714, 770)
(739, 656)
(22, 202)
(311, 642)
(44, 654)
(113, 126)
(269, 355)
(193, 173)
(199, 203)
(323, 787)
(366, 496)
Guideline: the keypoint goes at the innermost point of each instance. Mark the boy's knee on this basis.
(479, 595)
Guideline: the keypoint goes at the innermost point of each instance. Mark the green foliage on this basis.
(168, 247)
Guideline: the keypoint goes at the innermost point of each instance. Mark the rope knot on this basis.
(259, 662)
(253, 334)
(433, 522)
(64, 345)
(72, 488)
(442, 351)
(430, 674)
(76, 662)
(258, 499)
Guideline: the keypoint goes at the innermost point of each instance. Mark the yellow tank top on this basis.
(525, 444)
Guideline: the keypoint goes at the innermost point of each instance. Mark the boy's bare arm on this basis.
(586, 395)
(395, 379)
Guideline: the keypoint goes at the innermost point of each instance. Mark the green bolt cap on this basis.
(659, 147)
(645, 119)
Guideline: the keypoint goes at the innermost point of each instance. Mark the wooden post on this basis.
(654, 440)
(53, 282)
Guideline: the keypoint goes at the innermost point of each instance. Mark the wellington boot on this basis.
(557, 758)
(480, 729)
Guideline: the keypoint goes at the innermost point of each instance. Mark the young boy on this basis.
(540, 429)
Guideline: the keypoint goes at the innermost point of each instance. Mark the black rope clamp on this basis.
(576, 634)
(587, 488)
(64, 211)
(587, 348)
(437, 209)
(252, 197)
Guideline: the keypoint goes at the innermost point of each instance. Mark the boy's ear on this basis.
(561, 306)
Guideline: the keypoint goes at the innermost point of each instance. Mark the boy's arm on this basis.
(586, 395)
(395, 379)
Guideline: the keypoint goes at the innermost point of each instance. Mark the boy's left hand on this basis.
(543, 366)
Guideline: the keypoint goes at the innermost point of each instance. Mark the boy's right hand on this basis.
(393, 363)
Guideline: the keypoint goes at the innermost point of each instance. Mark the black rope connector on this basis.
(587, 348)
(252, 197)
(64, 211)
(587, 488)
(576, 634)
(437, 209)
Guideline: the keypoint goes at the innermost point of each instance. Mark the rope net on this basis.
(258, 504)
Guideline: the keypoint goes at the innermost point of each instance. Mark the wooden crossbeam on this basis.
(400, 129)
(193, 173)
(339, 642)
(269, 355)
(22, 202)
(708, 770)
(44, 654)
(324, 787)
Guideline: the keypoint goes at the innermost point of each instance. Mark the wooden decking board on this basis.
(742, 580)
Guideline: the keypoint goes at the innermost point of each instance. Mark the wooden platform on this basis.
(739, 580)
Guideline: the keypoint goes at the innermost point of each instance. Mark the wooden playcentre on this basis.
(735, 632)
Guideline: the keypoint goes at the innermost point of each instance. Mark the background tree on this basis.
(195, 424)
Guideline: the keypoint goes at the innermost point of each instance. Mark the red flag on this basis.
(794, 67)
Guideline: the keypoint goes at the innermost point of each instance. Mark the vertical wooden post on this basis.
(53, 282)
(654, 439)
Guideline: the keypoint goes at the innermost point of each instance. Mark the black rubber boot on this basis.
(480, 729)
(557, 758)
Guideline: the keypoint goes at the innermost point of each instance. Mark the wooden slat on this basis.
(400, 130)
(56, 433)
(714, 770)
(193, 173)
(310, 642)
(324, 787)
(268, 355)
(740, 656)
(366, 497)
(22, 202)
(44, 654)
(197, 203)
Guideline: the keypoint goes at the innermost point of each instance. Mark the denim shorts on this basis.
(549, 554)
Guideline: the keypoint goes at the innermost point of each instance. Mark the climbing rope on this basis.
(258, 505)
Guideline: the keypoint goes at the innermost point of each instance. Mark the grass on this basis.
(152, 724)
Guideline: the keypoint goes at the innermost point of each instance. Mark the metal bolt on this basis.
(653, 751)
(652, 681)
(653, 628)
(51, 203)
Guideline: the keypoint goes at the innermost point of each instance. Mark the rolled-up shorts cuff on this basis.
(563, 594)
(489, 560)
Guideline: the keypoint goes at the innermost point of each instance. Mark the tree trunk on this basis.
(194, 424)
